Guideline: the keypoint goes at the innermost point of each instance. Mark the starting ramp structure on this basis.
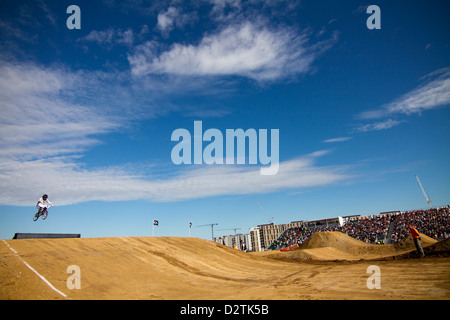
(46, 235)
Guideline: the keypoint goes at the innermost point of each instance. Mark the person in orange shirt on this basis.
(416, 238)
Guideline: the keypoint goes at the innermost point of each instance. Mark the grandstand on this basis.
(383, 228)
(263, 235)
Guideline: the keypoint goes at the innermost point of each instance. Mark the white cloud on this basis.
(37, 120)
(110, 37)
(339, 139)
(222, 4)
(46, 126)
(433, 93)
(247, 49)
(166, 19)
(232, 11)
(225, 9)
(383, 125)
(174, 17)
(67, 183)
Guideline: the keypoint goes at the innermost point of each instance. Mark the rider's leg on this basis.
(40, 208)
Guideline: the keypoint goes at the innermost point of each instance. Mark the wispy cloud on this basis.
(247, 49)
(69, 183)
(235, 11)
(173, 17)
(110, 37)
(339, 139)
(47, 126)
(37, 117)
(434, 92)
(383, 125)
(166, 19)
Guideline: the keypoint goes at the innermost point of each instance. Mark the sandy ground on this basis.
(329, 266)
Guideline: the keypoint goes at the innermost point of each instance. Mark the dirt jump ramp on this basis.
(335, 246)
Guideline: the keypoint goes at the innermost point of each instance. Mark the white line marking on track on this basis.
(37, 273)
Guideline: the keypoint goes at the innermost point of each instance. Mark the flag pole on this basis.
(155, 223)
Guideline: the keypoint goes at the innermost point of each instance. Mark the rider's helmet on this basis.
(45, 197)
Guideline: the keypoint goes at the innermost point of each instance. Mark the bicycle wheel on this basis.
(44, 215)
(35, 217)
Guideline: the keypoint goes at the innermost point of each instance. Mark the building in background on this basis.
(240, 242)
(262, 236)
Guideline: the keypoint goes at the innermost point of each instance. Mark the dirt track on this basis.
(191, 268)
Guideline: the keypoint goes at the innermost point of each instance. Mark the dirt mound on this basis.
(333, 239)
(333, 245)
(431, 248)
(408, 243)
(440, 246)
(345, 243)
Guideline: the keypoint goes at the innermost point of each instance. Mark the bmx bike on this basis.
(43, 214)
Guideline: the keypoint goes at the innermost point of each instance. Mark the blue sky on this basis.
(87, 114)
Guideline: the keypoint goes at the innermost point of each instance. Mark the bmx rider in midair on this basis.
(43, 203)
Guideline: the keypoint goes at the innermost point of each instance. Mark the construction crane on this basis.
(212, 228)
(423, 190)
(230, 229)
(262, 209)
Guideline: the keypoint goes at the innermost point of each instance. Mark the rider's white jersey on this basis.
(43, 203)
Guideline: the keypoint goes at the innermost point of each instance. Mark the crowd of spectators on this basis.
(434, 223)
(377, 229)
(291, 236)
(371, 229)
(298, 235)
